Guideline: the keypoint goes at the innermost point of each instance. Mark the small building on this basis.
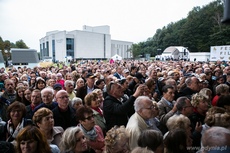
(175, 53)
(24, 57)
(200, 56)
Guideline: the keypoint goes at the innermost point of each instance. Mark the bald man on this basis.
(216, 140)
(64, 115)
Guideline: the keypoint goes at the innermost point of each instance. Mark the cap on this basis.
(170, 73)
(122, 81)
(158, 68)
(40, 79)
(90, 75)
(140, 77)
(57, 86)
(160, 79)
(59, 75)
(126, 71)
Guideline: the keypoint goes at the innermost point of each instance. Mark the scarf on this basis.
(98, 110)
(33, 106)
(13, 133)
(91, 135)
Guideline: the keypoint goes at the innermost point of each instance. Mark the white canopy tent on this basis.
(116, 57)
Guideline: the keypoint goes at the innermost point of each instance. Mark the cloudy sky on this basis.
(129, 20)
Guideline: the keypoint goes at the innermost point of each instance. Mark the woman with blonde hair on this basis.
(201, 105)
(179, 122)
(43, 119)
(74, 141)
(207, 93)
(117, 140)
(216, 116)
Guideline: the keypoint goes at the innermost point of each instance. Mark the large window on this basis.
(70, 47)
(53, 50)
(47, 49)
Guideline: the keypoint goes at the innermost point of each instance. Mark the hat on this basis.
(59, 74)
(160, 79)
(158, 68)
(140, 77)
(122, 81)
(40, 79)
(170, 73)
(57, 86)
(126, 71)
(90, 75)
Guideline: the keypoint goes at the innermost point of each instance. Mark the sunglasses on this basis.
(90, 117)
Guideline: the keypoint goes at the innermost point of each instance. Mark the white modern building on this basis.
(89, 43)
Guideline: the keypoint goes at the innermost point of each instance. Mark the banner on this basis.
(221, 53)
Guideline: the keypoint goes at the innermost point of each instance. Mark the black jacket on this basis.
(116, 112)
(64, 119)
(196, 136)
(82, 92)
(187, 92)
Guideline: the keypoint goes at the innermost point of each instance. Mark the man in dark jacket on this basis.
(192, 87)
(116, 112)
(87, 88)
(9, 95)
(63, 114)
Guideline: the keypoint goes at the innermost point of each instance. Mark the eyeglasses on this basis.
(152, 107)
(90, 117)
(63, 97)
(47, 96)
(18, 111)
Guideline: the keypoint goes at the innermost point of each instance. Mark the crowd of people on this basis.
(119, 107)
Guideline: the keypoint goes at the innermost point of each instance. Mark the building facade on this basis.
(89, 43)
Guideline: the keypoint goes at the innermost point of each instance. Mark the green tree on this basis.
(201, 29)
(6, 45)
(21, 44)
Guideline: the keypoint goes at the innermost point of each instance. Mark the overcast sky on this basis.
(129, 20)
